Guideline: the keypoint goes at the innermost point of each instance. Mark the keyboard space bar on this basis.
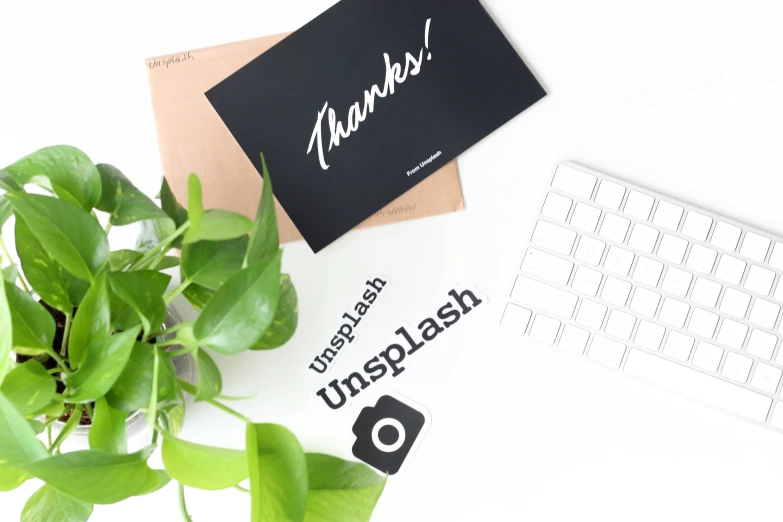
(698, 385)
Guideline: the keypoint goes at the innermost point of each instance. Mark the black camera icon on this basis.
(386, 433)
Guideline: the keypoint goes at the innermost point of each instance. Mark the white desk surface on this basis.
(685, 97)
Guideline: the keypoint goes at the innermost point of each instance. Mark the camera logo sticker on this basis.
(388, 433)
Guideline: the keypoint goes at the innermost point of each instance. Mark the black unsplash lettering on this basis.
(391, 359)
(346, 332)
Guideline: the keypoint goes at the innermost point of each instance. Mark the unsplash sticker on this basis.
(388, 433)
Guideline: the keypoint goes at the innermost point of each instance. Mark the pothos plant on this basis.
(83, 340)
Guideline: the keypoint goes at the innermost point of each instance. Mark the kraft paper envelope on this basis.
(193, 138)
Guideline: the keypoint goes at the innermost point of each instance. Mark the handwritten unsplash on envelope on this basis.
(395, 74)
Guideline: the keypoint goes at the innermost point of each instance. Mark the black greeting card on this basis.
(367, 100)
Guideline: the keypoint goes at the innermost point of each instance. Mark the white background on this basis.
(685, 97)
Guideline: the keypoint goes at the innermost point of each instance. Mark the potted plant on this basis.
(83, 340)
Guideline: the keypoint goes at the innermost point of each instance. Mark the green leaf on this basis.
(216, 468)
(69, 233)
(242, 309)
(10, 478)
(133, 388)
(11, 273)
(198, 296)
(286, 318)
(278, 474)
(18, 444)
(153, 232)
(212, 263)
(264, 238)
(51, 505)
(6, 334)
(163, 481)
(43, 272)
(33, 326)
(143, 292)
(8, 183)
(171, 207)
(174, 418)
(119, 260)
(108, 429)
(29, 387)
(195, 205)
(122, 200)
(210, 383)
(92, 321)
(103, 363)
(6, 211)
(37, 426)
(97, 477)
(341, 491)
(218, 225)
(71, 172)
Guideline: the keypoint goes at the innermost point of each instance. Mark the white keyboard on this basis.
(651, 285)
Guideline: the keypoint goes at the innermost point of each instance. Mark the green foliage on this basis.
(95, 321)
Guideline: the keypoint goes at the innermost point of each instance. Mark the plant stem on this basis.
(182, 507)
(8, 256)
(66, 333)
(73, 421)
(49, 435)
(181, 351)
(163, 245)
(228, 410)
(169, 330)
(168, 298)
(108, 228)
(152, 412)
(62, 366)
(88, 407)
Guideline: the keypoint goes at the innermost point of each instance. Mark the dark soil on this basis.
(50, 364)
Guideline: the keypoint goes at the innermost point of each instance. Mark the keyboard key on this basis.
(643, 238)
(776, 258)
(674, 312)
(591, 314)
(548, 267)
(755, 246)
(696, 226)
(556, 207)
(616, 291)
(668, 215)
(585, 217)
(574, 339)
(544, 329)
(779, 290)
(516, 318)
(764, 313)
(726, 236)
(766, 378)
(703, 323)
(544, 297)
(553, 237)
(707, 356)
(682, 379)
(678, 346)
(706, 292)
(737, 367)
(677, 282)
(672, 248)
(761, 344)
(574, 182)
(759, 280)
(606, 351)
(649, 335)
(620, 325)
(614, 228)
(586, 280)
(776, 420)
(647, 271)
(618, 261)
(701, 259)
(610, 195)
(735, 303)
(590, 250)
(645, 302)
(732, 334)
(730, 269)
(639, 205)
